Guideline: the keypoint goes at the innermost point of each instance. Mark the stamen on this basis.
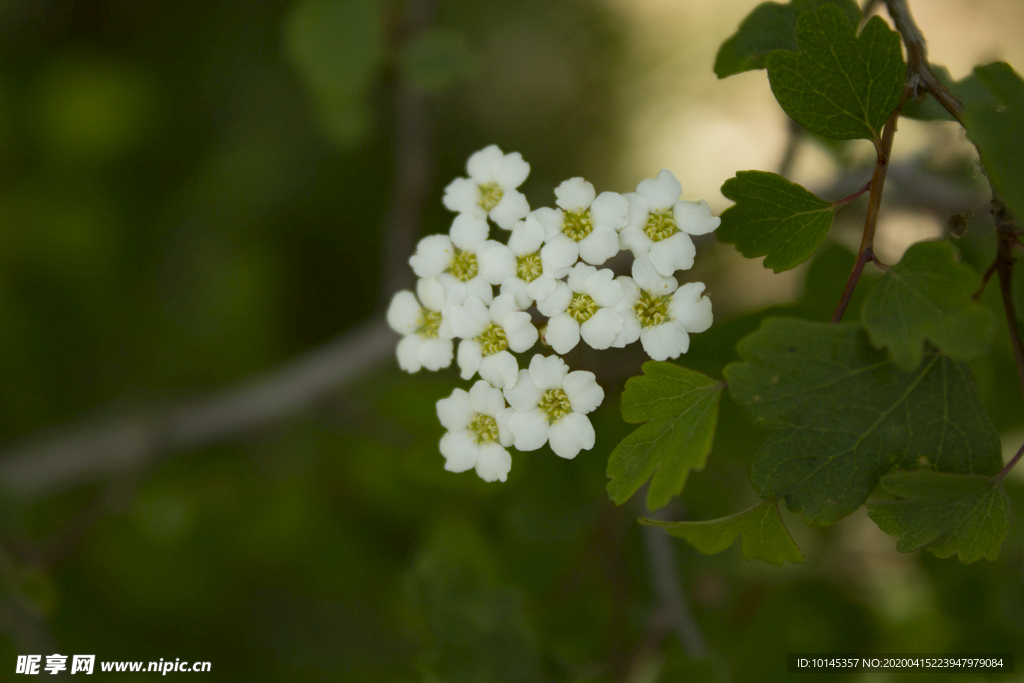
(490, 195)
(529, 267)
(582, 307)
(555, 404)
(651, 310)
(661, 224)
(577, 225)
(493, 339)
(484, 427)
(431, 323)
(463, 266)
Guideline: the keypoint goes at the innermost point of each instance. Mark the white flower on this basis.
(425, 329)
(519, 268)
(454, 260)
(550, 406)
(660, 226)
(660, 313)
(584, 226)
(487, 334)
(583, 307)
(490, 189)
(477, 424)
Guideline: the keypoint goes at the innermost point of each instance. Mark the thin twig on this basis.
(985, 277)
(866, 252)
(664, 572)
(1006, 235)
(919, 71)
(88, 452)
(851, 197)
(1010, 465)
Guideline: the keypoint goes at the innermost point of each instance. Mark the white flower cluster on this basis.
(551, 261)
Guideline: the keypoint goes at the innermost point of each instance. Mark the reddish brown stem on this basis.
(839, 203)
(866, 251)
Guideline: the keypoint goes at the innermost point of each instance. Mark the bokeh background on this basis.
(194, 194)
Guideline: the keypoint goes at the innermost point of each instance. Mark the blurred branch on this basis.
(87, 452)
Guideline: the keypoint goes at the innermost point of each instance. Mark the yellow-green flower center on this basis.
(582, 307)
(484, 428)
(490, 195)
(493, 340)
(555, 404)
(431, 323)
(577, 225)
(661, 224)
(529, 267)
(463, 266)
(651, 310)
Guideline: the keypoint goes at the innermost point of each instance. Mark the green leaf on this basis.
(961, 514)
(682, 408)
(927, 295)
(842, 414)
(436, 59)
(336, 46)
(840, 85)
(765, 537)
(995, 129)
(770, 26)
(774, 218)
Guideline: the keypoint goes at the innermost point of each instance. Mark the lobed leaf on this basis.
(840, 85)
(764, 535)
(842, 414)
(770, 26)
(965, 515)
(994, 126)
(680, 407)
(927, 295)
(775, 218)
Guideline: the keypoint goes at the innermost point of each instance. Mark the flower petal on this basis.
(497, 263)
(630, 293)
(505, 437)
(690, 308)
(527, 236)
(499, 369)
(556, 302)
(456, 411)
(470, 319)
(630, 329)
(610, 210)
(578, 277)
(501, 307)
(493, 462)
(634, 239)
(520, 332)
(548, 372)
(408, 352)
(672, 254)
(470, 355)
(529, 429)
(599, 246)
(481, 289)
(550, 219)
(463, 196)
(638, 210)
(512, 207)
(660, 192)
(510, 171)
(541, 288)
(584, 393)
(460, 451)
(647, 277)
(435, 354)
(524, 394)
(468, 232)
(485, 399)
(480, 165)
(603, 288)
(570, 435)
(575, 194)
(664, 341)
(404, 313)
(558, 255)
(601, 330)
(519, 290)
(431, 293)
(563, 333)
(695, 217)
(433, 254)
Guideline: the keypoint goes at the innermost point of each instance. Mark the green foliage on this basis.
(969, 89)
(949, 514)
(994, 126)
(680, 407)
(765, 537)
(770, 26)
(774, 217)
(927, 296)
(336, 45)
(436, 58)
(842, 415)
(840, 85)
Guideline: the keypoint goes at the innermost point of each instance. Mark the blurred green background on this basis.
(195, 192)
